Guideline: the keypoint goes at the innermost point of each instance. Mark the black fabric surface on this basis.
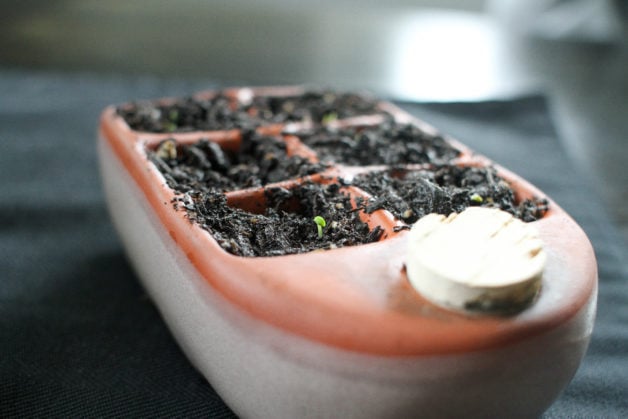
(78, 335)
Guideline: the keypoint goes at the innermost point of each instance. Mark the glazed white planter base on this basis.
(262, 371)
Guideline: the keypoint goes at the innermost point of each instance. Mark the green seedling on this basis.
(170, 125)
(477, 198)
(329, 117)
(320, 223)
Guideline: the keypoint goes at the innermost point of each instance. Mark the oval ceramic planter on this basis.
(341, 333)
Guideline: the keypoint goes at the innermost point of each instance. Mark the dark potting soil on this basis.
(388, 143)
(312, 106)
(200, 173)
(224, 113)
(286, 226)
(186, 114)
(204, 166)
(410, 195)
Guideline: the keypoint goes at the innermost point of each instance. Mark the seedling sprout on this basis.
(330, 117)
(476, 198)
(320, 223)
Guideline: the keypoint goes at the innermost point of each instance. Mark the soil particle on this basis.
(410, 195)
(389, 143)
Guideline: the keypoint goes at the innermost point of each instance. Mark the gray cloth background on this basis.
(78, 335)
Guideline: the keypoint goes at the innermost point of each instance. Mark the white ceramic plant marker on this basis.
(482, 259)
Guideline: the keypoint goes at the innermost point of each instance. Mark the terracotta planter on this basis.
(341, 332)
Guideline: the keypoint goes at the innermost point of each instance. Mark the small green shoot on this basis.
(476, 198)
(170, 125)
(329, 117)
(320, 223)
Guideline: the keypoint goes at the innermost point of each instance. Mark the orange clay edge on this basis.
(358, 298)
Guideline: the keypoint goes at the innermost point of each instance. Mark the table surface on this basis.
(79, 336)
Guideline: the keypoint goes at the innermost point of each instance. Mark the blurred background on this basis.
(575, 52)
